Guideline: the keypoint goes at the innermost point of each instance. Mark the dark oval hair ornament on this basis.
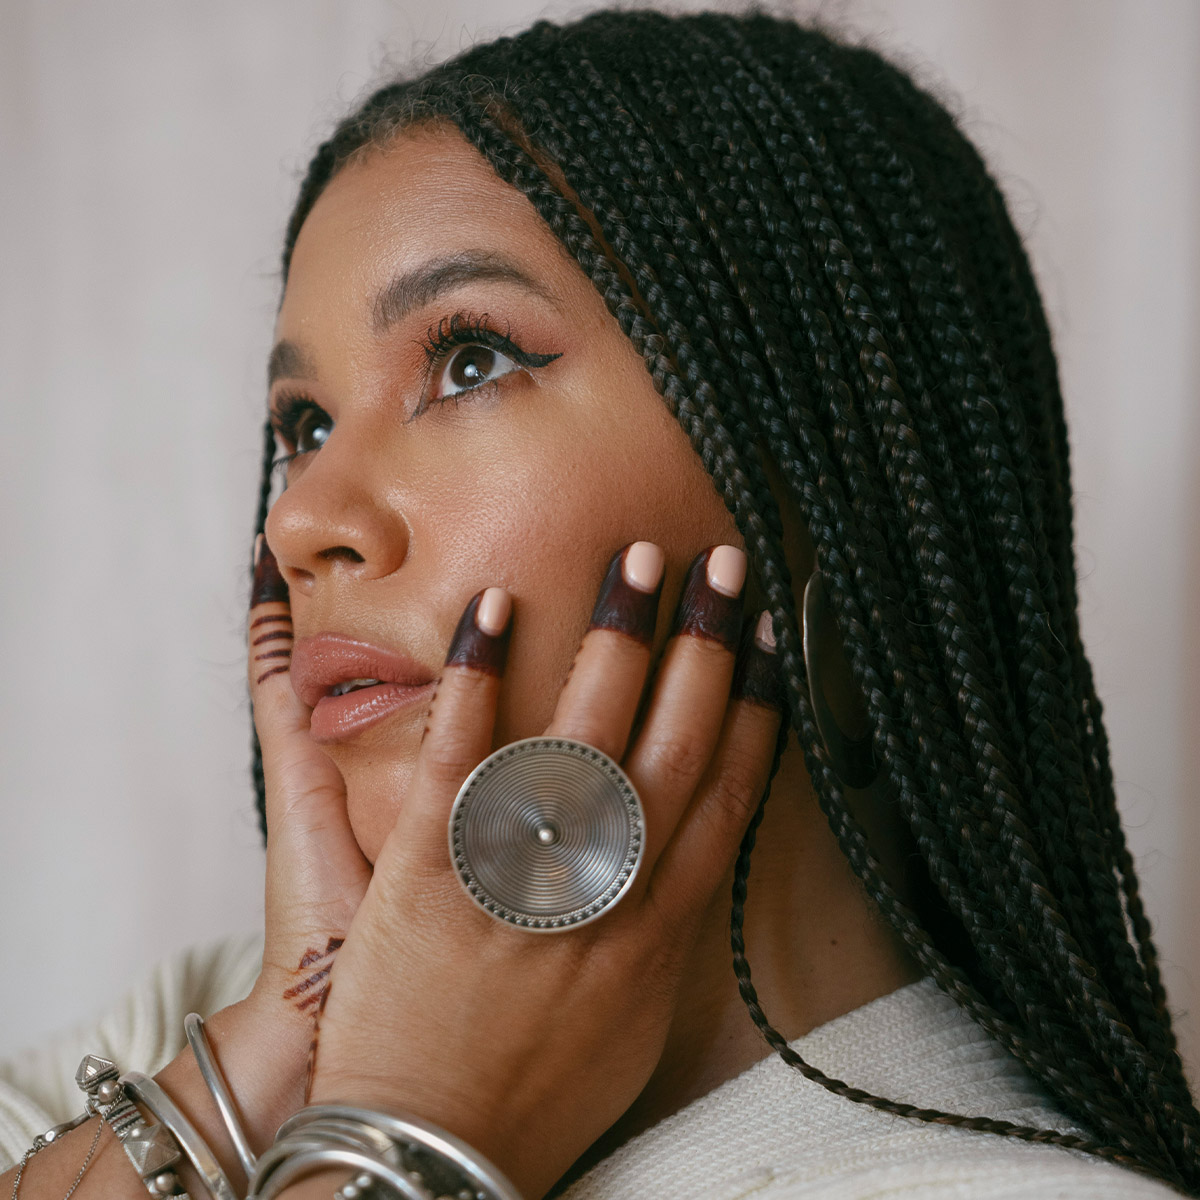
(547, 833)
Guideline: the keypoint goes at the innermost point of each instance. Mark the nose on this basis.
(336, 517)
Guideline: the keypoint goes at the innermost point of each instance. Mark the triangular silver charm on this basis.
(152, 1149)
(93, 1070)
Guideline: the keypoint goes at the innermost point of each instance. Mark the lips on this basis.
(351, 685)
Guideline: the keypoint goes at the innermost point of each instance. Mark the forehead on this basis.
(427, 195)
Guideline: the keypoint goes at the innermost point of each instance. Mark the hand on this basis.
(529, 1046)
(316, 873)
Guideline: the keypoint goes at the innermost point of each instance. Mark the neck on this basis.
(817, 946)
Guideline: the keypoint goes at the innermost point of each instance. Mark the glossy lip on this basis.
(321, 662)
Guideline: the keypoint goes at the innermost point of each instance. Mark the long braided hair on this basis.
(816, 266)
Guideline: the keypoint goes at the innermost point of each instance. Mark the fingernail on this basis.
(269, 585)
(628, 598)
(711, 603)
(758, 673)
(481, 639)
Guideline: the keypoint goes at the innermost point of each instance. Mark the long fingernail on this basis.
(758, 672)
(711, 604)
(481, 639)
(628, 598)
(269, 585)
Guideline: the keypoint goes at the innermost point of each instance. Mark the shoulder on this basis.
(142, 1030)
(770, 1134)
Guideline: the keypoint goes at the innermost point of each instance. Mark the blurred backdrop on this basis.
(149, 154)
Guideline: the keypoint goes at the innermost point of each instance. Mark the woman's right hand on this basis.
(316, 873)
(316, 878)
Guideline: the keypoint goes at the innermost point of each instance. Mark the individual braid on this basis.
(821, 266)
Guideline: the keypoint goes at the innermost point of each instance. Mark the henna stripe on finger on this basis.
(269, 585)
(485, 649)
(269, 618)
(711, 605)
(273, 671)
(273, 637)
(273, 654)
(628, 598)
(758, 673)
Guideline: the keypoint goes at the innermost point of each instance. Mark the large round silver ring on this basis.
(547, 833)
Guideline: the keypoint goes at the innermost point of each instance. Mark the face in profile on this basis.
(464, 412)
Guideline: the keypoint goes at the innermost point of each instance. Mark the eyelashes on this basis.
(463, 353)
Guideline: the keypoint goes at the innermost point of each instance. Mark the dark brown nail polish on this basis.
(471, 647)
(269, 585)
(705, 612)
(624, 608)
(758, 673)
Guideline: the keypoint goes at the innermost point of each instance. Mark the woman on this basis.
(494, 278)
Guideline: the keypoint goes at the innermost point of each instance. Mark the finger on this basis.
(269, 659)
(690, 693)
(599, 701)
(304, 793)
(705, 844)
(458, 735)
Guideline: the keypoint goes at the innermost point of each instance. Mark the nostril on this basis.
(298, 579)
(343, 552)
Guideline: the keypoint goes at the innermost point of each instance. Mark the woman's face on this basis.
(469, 414)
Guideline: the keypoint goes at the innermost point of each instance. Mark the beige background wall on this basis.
(148, 155)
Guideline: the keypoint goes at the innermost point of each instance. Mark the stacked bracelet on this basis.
(389, 1155)
(409, 1156)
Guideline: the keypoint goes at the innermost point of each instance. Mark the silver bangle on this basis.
(145, 1089)
(150, 1148)
(417, 1151)
(197, 1038)
(307, 1160)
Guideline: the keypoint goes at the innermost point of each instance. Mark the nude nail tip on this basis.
(643, 566)
(726, 571)
(764, 632)
(491, 616)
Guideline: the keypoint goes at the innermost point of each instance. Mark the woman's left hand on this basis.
(530, 1045)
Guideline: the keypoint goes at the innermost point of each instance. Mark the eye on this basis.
(301, 426)
(311, 429)
(470, 367)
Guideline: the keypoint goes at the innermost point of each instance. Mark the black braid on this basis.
(823, 269)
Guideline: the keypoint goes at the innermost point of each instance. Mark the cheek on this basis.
(543, 512)
(604, 487)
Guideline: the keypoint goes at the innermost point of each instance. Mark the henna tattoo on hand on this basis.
(283, 632)
(311, 994)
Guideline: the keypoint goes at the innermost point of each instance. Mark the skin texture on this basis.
(543, 1052)
(531, 483)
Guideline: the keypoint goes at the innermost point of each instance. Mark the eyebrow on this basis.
(409, 291)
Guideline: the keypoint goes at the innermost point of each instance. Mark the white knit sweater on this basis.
(766, 1135)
